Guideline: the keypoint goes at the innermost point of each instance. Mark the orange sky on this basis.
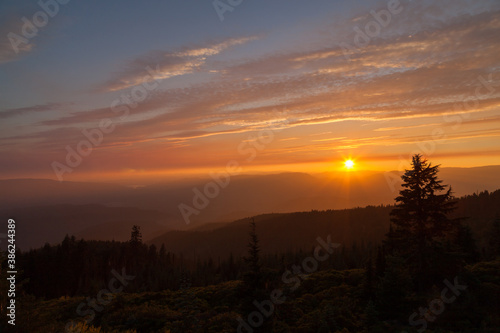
(429, 83)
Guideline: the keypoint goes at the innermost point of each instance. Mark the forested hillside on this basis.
(359, 227)
(355, 289)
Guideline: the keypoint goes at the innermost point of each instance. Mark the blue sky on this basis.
(86, 41)
(217, 82)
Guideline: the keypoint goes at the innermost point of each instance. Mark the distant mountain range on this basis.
(291, 232)
(47, 210)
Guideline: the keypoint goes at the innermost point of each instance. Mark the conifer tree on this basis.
(135, 250)
(135, 235)
(420, 219)
(253, 281)
(253, 277)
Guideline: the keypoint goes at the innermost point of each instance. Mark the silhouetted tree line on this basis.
(79, 267)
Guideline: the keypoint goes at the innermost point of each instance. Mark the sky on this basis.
(94, 90)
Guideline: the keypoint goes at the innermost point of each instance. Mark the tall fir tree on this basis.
(135, 262)
(253, 282)
(135, 235)
(253, 278)
(420, 222)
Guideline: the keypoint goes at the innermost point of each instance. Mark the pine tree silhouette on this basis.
(135, 235)
(420, 219)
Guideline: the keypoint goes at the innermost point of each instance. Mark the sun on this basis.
(349, 164)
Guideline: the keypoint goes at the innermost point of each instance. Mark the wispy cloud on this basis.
(168, 64)
(9, 113)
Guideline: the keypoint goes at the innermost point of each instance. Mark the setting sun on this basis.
(349, 164)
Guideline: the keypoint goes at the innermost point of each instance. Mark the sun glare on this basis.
(349, 164)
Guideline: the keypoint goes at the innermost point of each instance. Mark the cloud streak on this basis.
(9, 113)
(169, 64)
